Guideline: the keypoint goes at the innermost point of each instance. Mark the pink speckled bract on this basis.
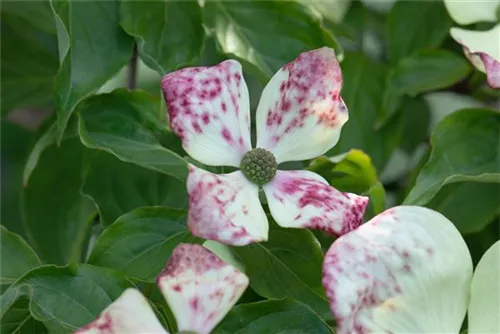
(190, 257)
(305, 199)
(129, 314)
(200, 288)
(405, 271)
(299, 117)
(302, 100)
(491, 66)
(209, 110)
(225, 208)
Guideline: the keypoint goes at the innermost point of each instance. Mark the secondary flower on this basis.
(408, 270)
(199, 287)
(482, 48)
(299, 117)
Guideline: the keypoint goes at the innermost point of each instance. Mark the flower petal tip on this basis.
(353, 216)
(481, 48)
(199, 287)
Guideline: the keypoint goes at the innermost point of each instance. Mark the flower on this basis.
(482, 48)
(299, 117)
(408, 270)
(199, 287)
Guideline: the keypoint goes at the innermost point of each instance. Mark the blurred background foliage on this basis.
(80, 151)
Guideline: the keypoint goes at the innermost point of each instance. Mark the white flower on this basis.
(408, 270)
(482, 48)
(299, 117)
(199, 287)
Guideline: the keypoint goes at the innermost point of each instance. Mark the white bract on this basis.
(199, 287)
(299, 117)
(408, 270)
(482, 48)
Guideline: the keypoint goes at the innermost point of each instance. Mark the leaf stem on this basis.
(132, 69)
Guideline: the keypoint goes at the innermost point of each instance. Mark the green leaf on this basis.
(127, 125)
(39, 14)
(132, 187)
(45, 140)
(352, 172)
(364, 81)
(416, 25)
(29, 55)
(92, 48)
(16, 142)
(55, 215)
(471, 206)
(169, 33)
(282, 31)
(139, 243)
(288, 265)
(18, 319)
(65, 298)
(443, 103)
(422, 72)
(283, 316)
(416, 123)
(17, 257)
(465, 147)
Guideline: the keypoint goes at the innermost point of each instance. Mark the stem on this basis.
(132, 69)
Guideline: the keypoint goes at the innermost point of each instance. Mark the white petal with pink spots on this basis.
(482, 48)
(199, 287)
(209, 109)
(407, 270)
(301, 113)
(225, 208)
(305, 199)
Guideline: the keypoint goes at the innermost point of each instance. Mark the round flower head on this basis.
(199, 287)
(408, 270)
(299, 117)
(482, 48)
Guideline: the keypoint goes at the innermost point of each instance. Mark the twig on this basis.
(132, 69)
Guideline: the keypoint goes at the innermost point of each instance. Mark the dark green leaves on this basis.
(127, 125)
(17, 257)
(29, 55)
(415, 25)
(265, 34)
(56, 215)
(116, 193)
(13, 158)
(471, 206)
(153, 23)
(288, 265)
(422, 72)
(65, 298)
(272, 316)
(92, 48)
(465, 148)
(140, 242)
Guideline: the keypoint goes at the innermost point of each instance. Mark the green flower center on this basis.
(259, 166)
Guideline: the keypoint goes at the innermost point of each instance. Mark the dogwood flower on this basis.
(299, 117)
(408, 270)
(482, 48)
(199, 287)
